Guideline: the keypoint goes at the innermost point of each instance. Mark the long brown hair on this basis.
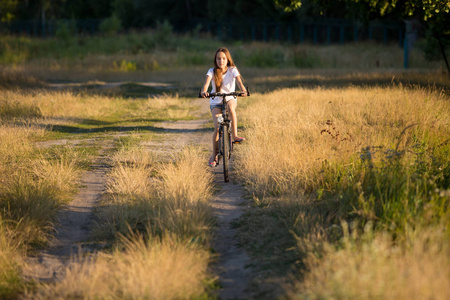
(218, 71)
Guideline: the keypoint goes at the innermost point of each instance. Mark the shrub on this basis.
(110, 26)
(163, 34)
(305, 59)
(265, 58)
(66, 30)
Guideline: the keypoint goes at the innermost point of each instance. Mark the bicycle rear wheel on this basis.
(226, 151)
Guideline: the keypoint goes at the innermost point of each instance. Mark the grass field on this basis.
(355, 182)
(346, 165)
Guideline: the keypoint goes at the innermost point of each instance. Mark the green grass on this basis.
(144, 51)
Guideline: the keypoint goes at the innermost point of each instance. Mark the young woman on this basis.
(223, 77)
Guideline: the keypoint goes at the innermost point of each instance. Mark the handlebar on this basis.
(235, 94)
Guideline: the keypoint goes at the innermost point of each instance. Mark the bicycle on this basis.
(224, 122)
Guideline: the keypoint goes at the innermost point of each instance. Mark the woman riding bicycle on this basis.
(223, 77)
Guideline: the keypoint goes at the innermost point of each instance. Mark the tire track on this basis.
(74, 225)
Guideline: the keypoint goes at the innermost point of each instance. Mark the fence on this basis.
(315, 32)
(325, 32)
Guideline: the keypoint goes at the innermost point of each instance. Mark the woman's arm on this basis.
(204, 93)
(241, 86)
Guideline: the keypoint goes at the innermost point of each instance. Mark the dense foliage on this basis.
(137, 13)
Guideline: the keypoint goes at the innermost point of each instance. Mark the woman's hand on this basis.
(204, 94)
(244, 93)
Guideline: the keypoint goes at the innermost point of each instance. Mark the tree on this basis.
(435, 14)
(8, 10)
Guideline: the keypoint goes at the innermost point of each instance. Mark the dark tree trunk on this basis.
(441, 45)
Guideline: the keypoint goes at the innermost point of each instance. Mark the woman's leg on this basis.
(232, 104)
(216, 112)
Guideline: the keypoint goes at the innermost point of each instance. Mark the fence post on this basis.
(355, 33)
(253, 32)
(385, 38)
(341, 34)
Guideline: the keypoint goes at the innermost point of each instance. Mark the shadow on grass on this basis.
(333, 80)
(259, 80)
(118, 128)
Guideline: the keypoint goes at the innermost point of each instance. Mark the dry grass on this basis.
(376, 269)
(33, 186)
(14, 78)
(154, 269)
(175, 201)
(16, 145)
(11, 261)
(295, 132)
(73, 108)
(63, 107)
(187, 180)
(317, 156)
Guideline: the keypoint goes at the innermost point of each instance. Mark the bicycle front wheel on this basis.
(226, 151)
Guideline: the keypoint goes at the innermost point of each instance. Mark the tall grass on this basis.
(310, 131)
(33, 186)
(11, 260)
(33, 194)
(174, 201)
(376, 269)
(370, 155)
(145, 269)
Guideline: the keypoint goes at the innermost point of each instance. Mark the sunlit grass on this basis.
(372, 155)
(171, 197)
(87, 111)
(34, 185)
(293, 143)
(374, 268)
(163, 268)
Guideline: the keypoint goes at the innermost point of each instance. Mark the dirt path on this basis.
(232, 266)
(74, 223)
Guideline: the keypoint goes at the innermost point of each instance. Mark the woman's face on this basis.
(221, 60)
